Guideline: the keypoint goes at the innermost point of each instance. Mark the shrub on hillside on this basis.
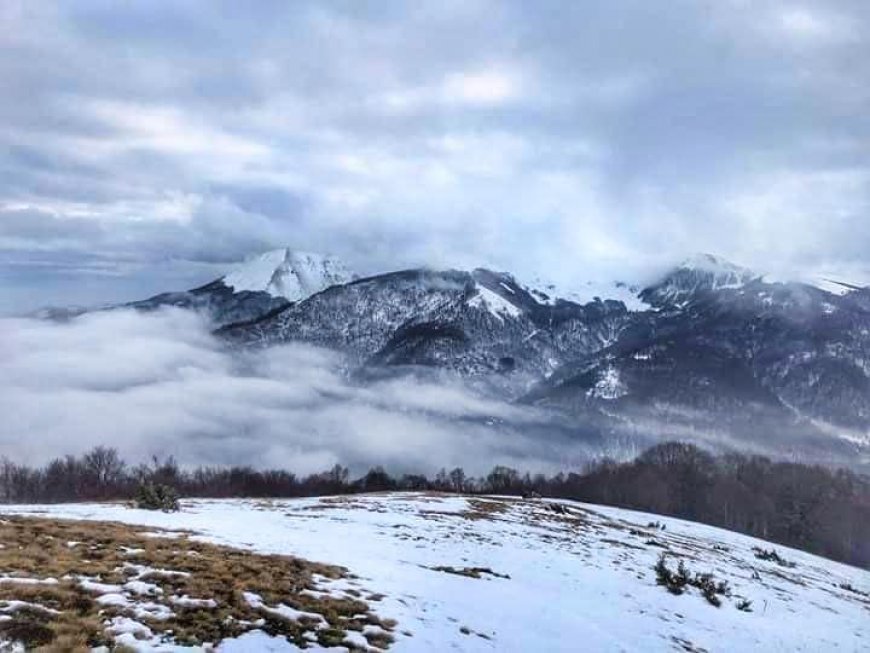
(152, 496)
(674, 581)
(677, 581)
(772, 556)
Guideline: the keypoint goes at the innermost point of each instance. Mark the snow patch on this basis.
(90, 585)
(256, 641)
(138, 571)
(142, 588)
(11, 607)
(125, 625)
(281, 610)
(187, 602)
(130, 551)
(18, 580)
(497, 305)
(587, 291)
(609, 386)
(114, 599)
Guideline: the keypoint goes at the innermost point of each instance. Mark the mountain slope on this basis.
(494, 573)
(477, 322)
(731, 357)
(721, 355)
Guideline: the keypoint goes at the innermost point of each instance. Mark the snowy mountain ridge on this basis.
(288, 273)
(549, 292)
(701, 273)
(696, 274)
(719, 355)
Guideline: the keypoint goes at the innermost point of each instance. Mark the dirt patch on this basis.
(67, 585)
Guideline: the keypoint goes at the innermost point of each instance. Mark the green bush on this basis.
(151, 496)
(674, 582)
(677, 581)
(772, 556)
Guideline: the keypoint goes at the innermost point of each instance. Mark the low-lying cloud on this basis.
(161, 384)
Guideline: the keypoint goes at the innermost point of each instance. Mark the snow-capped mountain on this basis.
(709, 351)
(718, 353)
(702, 273)
(729, 355)
(478, 322)
(289, 274)
(263, 284)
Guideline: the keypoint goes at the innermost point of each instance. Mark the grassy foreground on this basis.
(68, 586)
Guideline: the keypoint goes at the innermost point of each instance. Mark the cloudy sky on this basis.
(145, 146)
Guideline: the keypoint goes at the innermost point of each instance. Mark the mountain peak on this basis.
(713, 264)
(291, 274)
(698, 273)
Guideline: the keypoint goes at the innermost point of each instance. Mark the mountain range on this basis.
(710, 351)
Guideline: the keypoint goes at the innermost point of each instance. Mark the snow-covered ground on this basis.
(484, 574)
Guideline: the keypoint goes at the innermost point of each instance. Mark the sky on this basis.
(146, 146)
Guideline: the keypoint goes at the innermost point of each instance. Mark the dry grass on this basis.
(64, 617)
(478, 509)
(487, 508)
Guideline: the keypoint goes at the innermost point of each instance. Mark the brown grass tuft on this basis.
(68, 618)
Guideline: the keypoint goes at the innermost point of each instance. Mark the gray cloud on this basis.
(510, 134)
(161, 384)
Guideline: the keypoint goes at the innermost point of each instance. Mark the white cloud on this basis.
(161, 384)
(813, 25)
(485, 88)
(171, 205)
(788, 215)
(169, 131)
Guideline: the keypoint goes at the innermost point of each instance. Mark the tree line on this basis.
(817, 509)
